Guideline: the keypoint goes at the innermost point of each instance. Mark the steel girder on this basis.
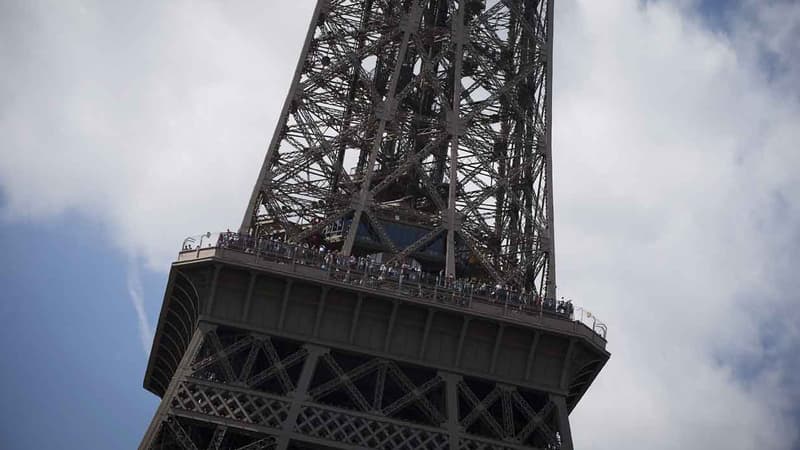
(434, 111)
(242, 390)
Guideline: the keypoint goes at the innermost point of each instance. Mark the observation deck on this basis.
(307, 295)
(333, 269)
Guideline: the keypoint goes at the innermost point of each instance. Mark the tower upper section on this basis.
(420, 130)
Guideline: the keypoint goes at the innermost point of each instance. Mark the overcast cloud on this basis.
(676, 163)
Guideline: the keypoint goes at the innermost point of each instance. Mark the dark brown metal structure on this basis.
(415, 137)
(420, 128)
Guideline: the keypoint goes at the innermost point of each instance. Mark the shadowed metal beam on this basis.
(567, 363)
(563, 422)
(287, 290)
(390, 328)
(461, 337)
(531, 355)
(248, 299)
(323, 295)
(212, 293)
(497, 341)
(428, 322)
(300, 392)
(354, 323)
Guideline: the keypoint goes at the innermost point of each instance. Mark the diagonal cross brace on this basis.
(180, 434)
(480, 408)
(346, 380)
(279, 368)
(427, 407)
(535, 420)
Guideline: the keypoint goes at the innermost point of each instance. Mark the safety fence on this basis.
(403, 279)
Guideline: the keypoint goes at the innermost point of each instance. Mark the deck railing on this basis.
(399, 279)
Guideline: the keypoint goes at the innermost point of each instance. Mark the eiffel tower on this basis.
(392, 284)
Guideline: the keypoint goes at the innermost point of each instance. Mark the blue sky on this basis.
(126, 127)
(70, 367)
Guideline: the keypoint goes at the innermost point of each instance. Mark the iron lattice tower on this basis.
(376, 132)
(415, 137)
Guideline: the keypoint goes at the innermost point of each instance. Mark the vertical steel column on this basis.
(212, 293)
(300, 394)
(389, 106)
(563, 422)
(551, 253)
(451, 397)
(455, 131)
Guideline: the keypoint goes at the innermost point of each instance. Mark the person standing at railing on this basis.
(382, 274)
(390, 270)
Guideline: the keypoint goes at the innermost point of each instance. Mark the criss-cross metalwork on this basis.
(497, 411)
(392, 284)
(185, 434)
(384, 378)
(355, 400)
(421, 129)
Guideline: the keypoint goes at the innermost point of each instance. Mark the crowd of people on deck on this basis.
(375, 271)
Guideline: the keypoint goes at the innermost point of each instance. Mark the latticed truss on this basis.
(420, 128)
(186, 434)
(239, 390)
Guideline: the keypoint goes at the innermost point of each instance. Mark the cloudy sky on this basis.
(126, 126)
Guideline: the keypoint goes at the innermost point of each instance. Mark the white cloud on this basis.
(136, 291)
(675, 167)
(153, 118)
(670, 145)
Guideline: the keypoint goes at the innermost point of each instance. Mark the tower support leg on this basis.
(451, 392)
(300, 394)
(563, 422)
(161, 414)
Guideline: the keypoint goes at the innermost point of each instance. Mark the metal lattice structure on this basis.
(233, 395)
(416, 136)
(420, 128)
